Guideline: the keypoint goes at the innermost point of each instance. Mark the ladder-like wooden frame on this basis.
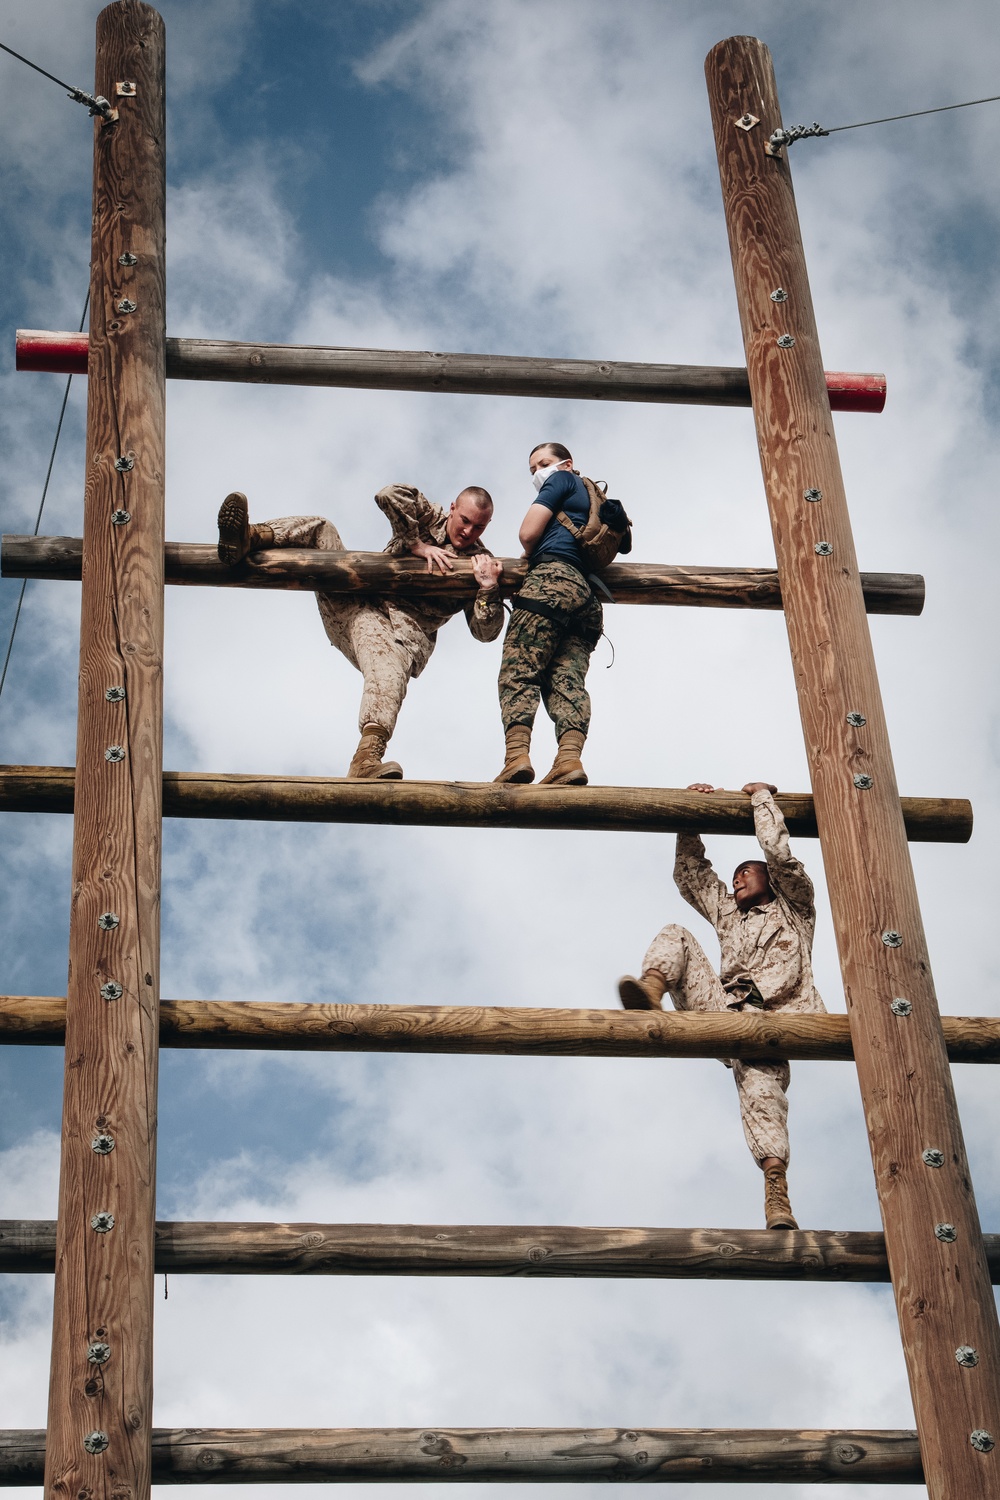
(106, 1245)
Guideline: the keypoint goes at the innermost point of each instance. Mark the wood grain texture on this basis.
(468, 804)
(943, 1292)
(504, 1455)
(197, 564)
(27, 1246)
(104, 1281)
(415, 370)
(515, 1031)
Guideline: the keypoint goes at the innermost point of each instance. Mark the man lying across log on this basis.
(388, 641)
(765, 928)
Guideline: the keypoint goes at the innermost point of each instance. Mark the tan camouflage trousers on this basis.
(547, 661)
(386, 652)
(693, 984)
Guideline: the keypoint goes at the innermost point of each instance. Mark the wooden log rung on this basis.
(504, 1455)
(28, 1246)
(468, 374)
(511, 1031)
(468, 804)
(197, 564)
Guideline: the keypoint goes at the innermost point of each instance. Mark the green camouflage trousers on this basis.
(546, 660)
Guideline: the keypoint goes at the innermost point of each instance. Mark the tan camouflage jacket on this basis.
(415, 518)
(770, 944)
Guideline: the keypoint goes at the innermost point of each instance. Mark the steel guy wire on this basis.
(97, 105)
(41, 507)
(785, 137)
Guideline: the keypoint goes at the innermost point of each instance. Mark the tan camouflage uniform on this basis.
(388, 641)
(770, 945)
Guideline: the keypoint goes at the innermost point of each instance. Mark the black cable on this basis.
(45, 491)
(97, 105)
(788, 136)
(940, 110)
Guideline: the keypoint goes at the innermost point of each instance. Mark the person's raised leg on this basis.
(675, 964)
(238, 536)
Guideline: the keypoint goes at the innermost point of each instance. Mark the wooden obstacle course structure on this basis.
(458, 374)
(194, 564)
(105, 1246)
(493, 1030)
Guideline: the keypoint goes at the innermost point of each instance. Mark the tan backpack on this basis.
(607, 530)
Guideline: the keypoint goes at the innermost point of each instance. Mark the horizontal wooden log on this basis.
(28, 1246)
(260, 1249)
(468, 804)
(468, 374)
(194, 563)
(505, 1455)
(494, 1030)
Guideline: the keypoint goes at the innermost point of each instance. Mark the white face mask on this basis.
(540, 475)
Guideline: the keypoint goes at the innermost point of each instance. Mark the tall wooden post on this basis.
(943, 1296)
(100, 1397)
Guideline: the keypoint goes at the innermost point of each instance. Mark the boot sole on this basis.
(234, 529)
(515, 778)
(783, 1223)
(633, 996)
(570, 778)
(390, 771)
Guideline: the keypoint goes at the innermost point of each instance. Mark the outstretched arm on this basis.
(786, 873)
(694, 875)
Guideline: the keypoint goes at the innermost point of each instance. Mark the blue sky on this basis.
(537, 177)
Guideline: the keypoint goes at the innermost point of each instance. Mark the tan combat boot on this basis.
(237, 538)
(777, 1209)
(567, 768)
(517, 766)
(642, 994)
(368, 764)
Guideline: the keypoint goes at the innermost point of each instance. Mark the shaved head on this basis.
(477, 497)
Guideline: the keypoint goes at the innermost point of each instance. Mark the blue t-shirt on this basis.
(566, 491)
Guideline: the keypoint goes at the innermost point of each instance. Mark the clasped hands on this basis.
(750, 788)
(487, 570)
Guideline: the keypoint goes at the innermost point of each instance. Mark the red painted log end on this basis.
(60, 353)
(855, 392)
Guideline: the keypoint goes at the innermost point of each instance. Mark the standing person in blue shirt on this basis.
(556, 623)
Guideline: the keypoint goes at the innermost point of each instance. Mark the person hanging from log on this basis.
(765, 927)
(388, 641)
(569, 533)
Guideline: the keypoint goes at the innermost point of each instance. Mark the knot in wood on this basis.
(848, 1453)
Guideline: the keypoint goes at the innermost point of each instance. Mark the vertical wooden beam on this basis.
(940, 1277)
(100, 1396)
